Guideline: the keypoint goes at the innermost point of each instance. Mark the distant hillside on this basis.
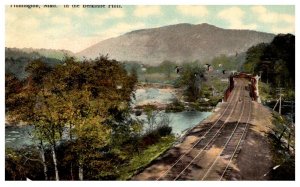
(49, 53)
(16, 59)
(182, 42)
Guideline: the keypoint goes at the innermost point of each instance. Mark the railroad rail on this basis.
(205, 141)
(212, 128)
(224, 136)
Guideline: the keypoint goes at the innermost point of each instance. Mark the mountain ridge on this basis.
(179, 42)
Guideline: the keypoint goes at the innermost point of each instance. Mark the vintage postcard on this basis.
(149, 92)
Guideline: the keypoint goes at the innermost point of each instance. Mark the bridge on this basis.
(229, 145)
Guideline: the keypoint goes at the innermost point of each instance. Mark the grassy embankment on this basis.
(140, 161)
(282, 140)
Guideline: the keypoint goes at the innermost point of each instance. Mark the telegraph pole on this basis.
(279, 100)
(280, 89)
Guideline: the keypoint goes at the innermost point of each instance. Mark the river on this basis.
(179, 121)
(17, 137)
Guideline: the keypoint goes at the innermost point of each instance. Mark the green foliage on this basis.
(264, 91)
(167, 67)
(163, 73)
(253, 57)
(133, 74)
(282, 129)
(158, 123)
(215, 100)
(158, 78)
(280, 124)
(227, 63)
(13, 86)
(216, 86)
(140, 161)
(129, 65)
(175, 106)
(205, 91)
(22, 164)
(16, 61)
(191, 77)
(276, 61)
(164, 130)
(91, 98)
(210, 95)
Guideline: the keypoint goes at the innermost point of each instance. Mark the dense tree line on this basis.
(166, 67)
(16, 61)
(276, 61)
(228, 63)
(89, 100)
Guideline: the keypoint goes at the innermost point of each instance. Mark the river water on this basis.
(179, 121)
(17, 137)
(153, 95)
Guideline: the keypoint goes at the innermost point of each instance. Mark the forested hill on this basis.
(181, 42)
(49, 53)
(17, 59)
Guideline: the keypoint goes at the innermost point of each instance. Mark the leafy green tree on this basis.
(97, 94)
(280, 55)
(192, 76)
(90, 98)
(13, 86)
(44, 107)
(34, 104)
(253, 57)
(151, 117)
(276, 61)
(22, 163)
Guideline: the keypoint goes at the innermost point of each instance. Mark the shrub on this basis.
(164, 130)
(175, 106)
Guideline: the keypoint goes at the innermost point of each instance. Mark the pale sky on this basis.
(75, 29)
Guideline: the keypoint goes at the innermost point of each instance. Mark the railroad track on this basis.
(238, 146)
(232, 146)
(236, 150)
(186, 161)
